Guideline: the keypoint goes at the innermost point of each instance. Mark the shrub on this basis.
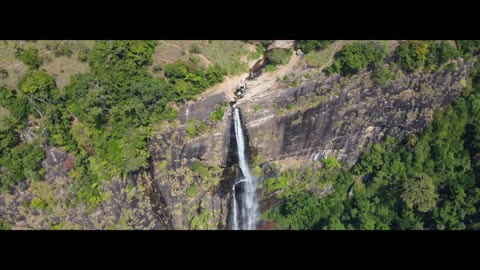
(381, 75)
(278, 56)
(3, 73)
(411, 55)
(309, 45)
(194, 48)
(31, 58)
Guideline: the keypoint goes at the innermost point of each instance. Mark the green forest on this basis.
(103, 117)
(430, 181)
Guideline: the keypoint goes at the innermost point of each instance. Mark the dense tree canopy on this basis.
(357, 56)
(427, 182)
(103, 117)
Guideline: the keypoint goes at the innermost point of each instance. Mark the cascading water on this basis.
(247, 201)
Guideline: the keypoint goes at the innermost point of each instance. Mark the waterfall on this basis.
(235, 210)
(248, 202)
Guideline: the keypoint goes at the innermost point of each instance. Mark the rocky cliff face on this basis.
(339, 116)
(293, 126)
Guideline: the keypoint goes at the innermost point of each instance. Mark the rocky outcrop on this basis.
(339, 116)
(194, 201)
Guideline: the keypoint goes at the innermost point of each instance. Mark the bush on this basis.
(194, 127)
(62, 50)
(31, 58)
(157, 68)
(278, 56)
(201, 170)
(270, 68)
(469, 46)
(194, 48)
(192, 191)
(309, 45)
(381, 75)
(4, 225)
(38, 83)
(3, 73)
(83, 54)
(265, 43)
(217, 115)
(439, 53)
(411, 55)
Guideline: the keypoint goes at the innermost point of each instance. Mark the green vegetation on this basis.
(357, 56)
(190, 80)
(227, 54)
(31, 58)
(102, 117)
(4, 225)
(192, 191)
(194, 127)
(428, 182)
(278, 56)
(381, 75)
(312, 45)
(201, 170)
(468, 46)
(439, 54)
(257, 54)
(270, 68)
(331, 163)
(217, 115)
(411, 55)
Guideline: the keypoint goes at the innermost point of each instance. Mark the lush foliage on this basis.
(102, 117)
(428, 182)
(413, 55)
(217, 115)
(31, 58)
(381, 75)
(278, 56)
(310, 45)
(357, 56)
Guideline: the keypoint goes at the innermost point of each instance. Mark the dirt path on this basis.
(13, 65)
(166, 60)
(171, 44)
(256, 88)
(260, 87)
(333, 54)
(231, 82)
(204, 58)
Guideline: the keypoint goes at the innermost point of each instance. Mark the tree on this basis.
(469, 46)
(278, 56)
(38, 83)
(38, 87)
(419, 192)
(358, 56)
(309, 45)
(410, 55)
(381, 75)
(31, 58)
(439, 54)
